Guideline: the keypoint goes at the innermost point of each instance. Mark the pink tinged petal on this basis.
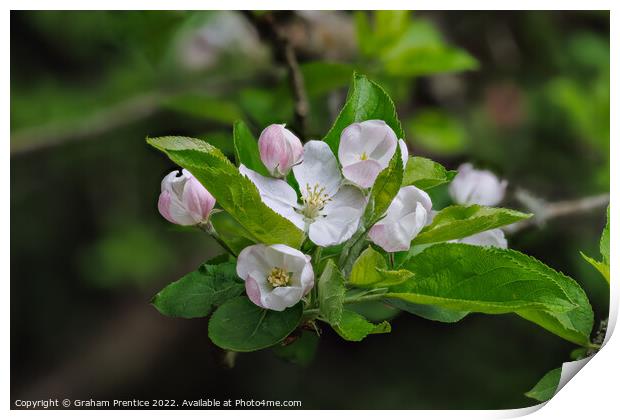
(277, 195)
(253, 291)
(163, 204)
(319, 167)
(363, 173)
(374, 138)
(198, 201)
(493, 237)
(279, 149)
(405, 218)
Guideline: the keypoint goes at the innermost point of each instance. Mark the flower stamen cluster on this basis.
(314, 200)
(278, 277)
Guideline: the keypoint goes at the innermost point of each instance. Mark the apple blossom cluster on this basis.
(332, 199)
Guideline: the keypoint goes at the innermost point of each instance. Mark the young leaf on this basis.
(599, 265)
(246, 148)
(196, 293)
(240, 325)
(354, 327)
(384, 189)
(457, 222)
(370, 270)
(301, 351)
(425, 173)
(234, 193)
(602, 266)
(489, 280)
(331, 293)
(365, 101)
(430, 312)
(546, 387)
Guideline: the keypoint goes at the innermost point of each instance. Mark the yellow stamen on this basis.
(278, 277)
(314, 200)
(363, 156)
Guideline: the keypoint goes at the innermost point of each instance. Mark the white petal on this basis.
(276, 194)
(404, 152)
(252, 259)
(493, 237)
(363, 173)
(472, 186)
(281, 298)
(341, 220)
(373, 137)
(318, 167)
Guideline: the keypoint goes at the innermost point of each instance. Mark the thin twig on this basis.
(283, 50)
(544, 211)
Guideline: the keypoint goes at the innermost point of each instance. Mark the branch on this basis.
(545, 211)
(49, 135)
(284, 51)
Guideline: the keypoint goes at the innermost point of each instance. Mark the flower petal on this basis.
(374, 138)
(341, 218)
(473, 186)
(276, 194)
(318, 167)
(363, 173)
(404, 152)
(493, 237)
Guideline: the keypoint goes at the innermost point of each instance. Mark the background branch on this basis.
(284, 51)
(544, 211)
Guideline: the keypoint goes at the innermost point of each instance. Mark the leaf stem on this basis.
(208, 228)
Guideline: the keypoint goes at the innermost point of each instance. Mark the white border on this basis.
(594, 392)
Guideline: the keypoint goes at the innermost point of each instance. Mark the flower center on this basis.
(363, 156)
(314, 201)
(278, 277)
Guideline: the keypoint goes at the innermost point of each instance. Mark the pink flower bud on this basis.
(279, 149)
(183, 200)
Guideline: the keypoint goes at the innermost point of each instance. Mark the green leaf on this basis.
(370, 270)
(599, 265)
(546, 387)
(431, 312)
(331, 293)
(246, 148)
(205, 108)
(602, 266)
(457, 222)
(365, 101)
(196, 293)
(230, 232)
(437, 132)
(234, 193)
(354, 327)
(301, 351)
(240, 325)
(384, 189)
(425, 173)
(489, 280)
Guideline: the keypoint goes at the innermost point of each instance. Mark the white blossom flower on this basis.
(366, 149)
(183, 199)
(276, 276)
(329, 212)
(473, 186)
(492, 237)
(279, 149)
(405, 218)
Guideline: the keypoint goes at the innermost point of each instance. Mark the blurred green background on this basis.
(525, 94)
